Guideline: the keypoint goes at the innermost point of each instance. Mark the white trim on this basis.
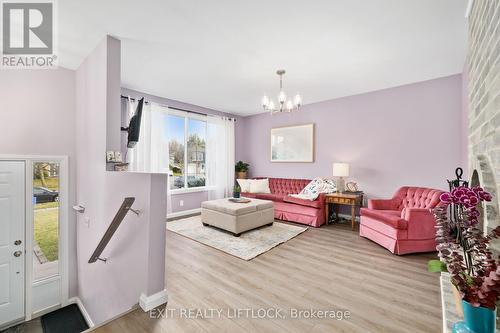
(469, 8)
(64, 207)
(148, 303)
(46, 310)
(28, 241)
(186, 123)
(10, 324)
(189, 190)
(78, 301)
(46, 280)
(184, 213)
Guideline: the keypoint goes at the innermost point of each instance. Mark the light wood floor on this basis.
(330, 268)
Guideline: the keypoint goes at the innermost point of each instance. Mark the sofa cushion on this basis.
(270, 196)
(303, 202)
(389, 217)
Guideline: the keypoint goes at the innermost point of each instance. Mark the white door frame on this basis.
(63, 226)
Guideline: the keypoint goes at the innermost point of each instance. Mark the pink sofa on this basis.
(292, 209)
(403, 224)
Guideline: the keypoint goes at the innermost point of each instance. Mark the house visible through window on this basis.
(187, 151)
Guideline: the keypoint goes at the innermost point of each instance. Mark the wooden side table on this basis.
(344, 198)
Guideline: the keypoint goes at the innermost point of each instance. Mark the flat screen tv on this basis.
(134, 126)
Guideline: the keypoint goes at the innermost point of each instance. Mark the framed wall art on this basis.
(292, 143)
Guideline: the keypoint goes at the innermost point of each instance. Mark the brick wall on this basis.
(484, 100)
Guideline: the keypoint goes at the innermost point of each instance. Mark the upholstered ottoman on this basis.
(237, 217)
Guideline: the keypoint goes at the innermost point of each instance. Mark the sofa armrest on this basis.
(421, 223)
(381, 204)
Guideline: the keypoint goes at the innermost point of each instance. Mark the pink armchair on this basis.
(403, 224)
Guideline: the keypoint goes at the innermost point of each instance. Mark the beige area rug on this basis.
(248, 246)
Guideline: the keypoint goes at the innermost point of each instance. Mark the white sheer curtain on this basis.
(220, 157)
(151, 153)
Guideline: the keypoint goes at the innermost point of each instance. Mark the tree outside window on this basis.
(187, 155)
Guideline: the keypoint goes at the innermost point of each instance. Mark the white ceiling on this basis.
(223, 54)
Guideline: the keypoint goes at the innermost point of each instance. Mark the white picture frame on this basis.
(292, 144)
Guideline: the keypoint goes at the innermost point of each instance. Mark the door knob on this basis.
(18, 253)
(17, 242)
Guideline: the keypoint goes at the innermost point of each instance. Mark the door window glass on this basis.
(46, 219)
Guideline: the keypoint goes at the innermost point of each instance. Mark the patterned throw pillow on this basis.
(315, 187)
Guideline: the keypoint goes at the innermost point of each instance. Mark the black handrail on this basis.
(117, 220)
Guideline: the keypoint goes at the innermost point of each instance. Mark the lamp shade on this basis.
(340, 169)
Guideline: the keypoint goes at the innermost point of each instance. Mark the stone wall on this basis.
(484, 101)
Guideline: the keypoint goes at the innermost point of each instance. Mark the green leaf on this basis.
(436, 266)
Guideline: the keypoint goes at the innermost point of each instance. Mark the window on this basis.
(46, 219)
(187, 153)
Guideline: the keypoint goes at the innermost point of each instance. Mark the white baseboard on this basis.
(148, 303)
(78, 301)
(184, 213)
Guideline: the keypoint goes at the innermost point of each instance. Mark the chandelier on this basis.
(284, 104)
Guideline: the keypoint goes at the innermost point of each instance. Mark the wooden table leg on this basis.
(326, 213)
(353, 215)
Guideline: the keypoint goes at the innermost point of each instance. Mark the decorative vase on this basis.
(476, 320)
(236, 195)
(241, 175)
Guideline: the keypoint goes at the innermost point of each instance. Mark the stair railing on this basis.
(117, 220)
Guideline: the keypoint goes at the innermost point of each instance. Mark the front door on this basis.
(12, 221)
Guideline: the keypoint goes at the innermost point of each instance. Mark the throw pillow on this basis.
(260, 186)
(244, 184)
(315, 187)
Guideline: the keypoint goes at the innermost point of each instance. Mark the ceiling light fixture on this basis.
(284, 104)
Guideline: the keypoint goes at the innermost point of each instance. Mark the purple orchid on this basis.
(468, 199)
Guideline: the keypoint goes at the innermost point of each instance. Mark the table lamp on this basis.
(340, 170)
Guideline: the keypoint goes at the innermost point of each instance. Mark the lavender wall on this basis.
(408, 135)
(38, 118)
(190, 200)
(137, 250)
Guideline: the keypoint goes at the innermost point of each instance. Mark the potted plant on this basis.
(241, 169)
(464, 252)
(236, 191)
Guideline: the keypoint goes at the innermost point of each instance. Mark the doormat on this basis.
(66, 320)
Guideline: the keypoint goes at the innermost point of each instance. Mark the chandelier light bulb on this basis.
(265, 101)
(271, 105)
(289, 106)
(298, 100)
(282, 97)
